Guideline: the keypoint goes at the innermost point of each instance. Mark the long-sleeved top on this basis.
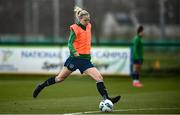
(137, 48)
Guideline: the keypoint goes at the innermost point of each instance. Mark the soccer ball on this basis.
(106, 105)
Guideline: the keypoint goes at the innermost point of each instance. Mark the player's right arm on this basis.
(70, 44)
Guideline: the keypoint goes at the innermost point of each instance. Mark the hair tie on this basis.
(78, 12)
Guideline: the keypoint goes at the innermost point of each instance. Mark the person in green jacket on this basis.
(137, 56)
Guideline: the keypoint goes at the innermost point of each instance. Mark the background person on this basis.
(137, 57)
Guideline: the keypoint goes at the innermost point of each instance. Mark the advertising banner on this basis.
(50, 60)
(112, 60)
(30, 59)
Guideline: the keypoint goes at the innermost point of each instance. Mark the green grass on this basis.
(79, 94)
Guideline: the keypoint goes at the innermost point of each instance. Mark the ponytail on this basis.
(79, 12)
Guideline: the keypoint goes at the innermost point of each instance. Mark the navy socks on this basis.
(102, 89)
(135, 76)
(48, 82)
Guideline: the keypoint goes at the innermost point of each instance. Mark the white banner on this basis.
(112, 60)
(30, 59)
(45, 60)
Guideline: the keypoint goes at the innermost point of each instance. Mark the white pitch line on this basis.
(123, 110)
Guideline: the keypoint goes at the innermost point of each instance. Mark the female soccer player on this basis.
(137, 56)
(79, 45)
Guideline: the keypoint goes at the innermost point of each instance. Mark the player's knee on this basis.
(59, 79)
(99, 78)
(137, 71)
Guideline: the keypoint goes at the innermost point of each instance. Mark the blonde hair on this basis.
(79, 12)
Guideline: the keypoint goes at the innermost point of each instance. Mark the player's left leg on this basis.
(52, 80)
(94, 73)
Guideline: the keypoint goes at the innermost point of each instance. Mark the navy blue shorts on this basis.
(73, 63)
(138, 61)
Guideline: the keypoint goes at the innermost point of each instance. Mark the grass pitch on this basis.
(79, 95)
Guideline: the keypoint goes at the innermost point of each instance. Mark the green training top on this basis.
(71, 47)
(137, 47)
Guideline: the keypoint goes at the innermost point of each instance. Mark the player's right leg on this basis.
(52, 80)
(135, 75)
(95, 74)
